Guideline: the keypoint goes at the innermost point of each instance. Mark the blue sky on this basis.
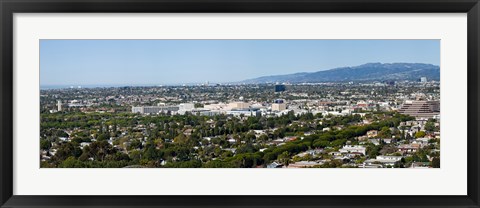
(155, 62)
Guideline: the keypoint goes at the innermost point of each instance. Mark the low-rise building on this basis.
(384, 160)
(353, 149)
(154, 109)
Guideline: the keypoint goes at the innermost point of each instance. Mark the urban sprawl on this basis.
(322, 125)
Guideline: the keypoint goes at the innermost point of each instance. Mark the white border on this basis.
(450, 179)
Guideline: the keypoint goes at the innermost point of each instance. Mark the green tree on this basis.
(180, 139)
(430, 126)
(70, 162)
(284, 158)
(435, 162)
(385, 133)
(45, 144)
(420, 134)
(103, 137)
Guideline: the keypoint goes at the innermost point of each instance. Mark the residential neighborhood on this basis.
(391, 124)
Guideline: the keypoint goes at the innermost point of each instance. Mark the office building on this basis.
(59, 105)
(421, 108)
(279, 88)
(423, 79)
(279, 105)
(186, 106)
(239, 105)
(154, 109)
(245, 112)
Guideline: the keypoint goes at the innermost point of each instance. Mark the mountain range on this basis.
(365, 72)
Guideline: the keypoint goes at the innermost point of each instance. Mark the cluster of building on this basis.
(350, 155)
(415, 108)
(238, 108)
(420, 100)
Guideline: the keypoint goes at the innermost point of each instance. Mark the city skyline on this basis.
(167, 62)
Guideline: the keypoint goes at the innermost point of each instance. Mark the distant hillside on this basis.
(365, 72)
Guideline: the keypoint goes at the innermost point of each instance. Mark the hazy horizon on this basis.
(175, 62)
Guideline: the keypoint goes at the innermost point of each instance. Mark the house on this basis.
(274, 165)
(372, 133)
(188, 132)
(353, 148)
(336, 153)
(389, 141)
(362, 138)
(278, 141)
(422, 141)
(420, 165)
(84, 144)
(371, 166)
(259, 133)
(290, 139)
(353, 155)
(374, 141)
(384, 160)
(408, 148)
(304, 164)
(311, 152)
(315, 151)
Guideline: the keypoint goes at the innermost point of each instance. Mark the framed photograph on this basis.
(264, 103)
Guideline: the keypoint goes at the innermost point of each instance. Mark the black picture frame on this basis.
(9, 7)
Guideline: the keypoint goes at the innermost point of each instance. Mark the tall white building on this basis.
(279, 105)
(59, 105)
(423, 79)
